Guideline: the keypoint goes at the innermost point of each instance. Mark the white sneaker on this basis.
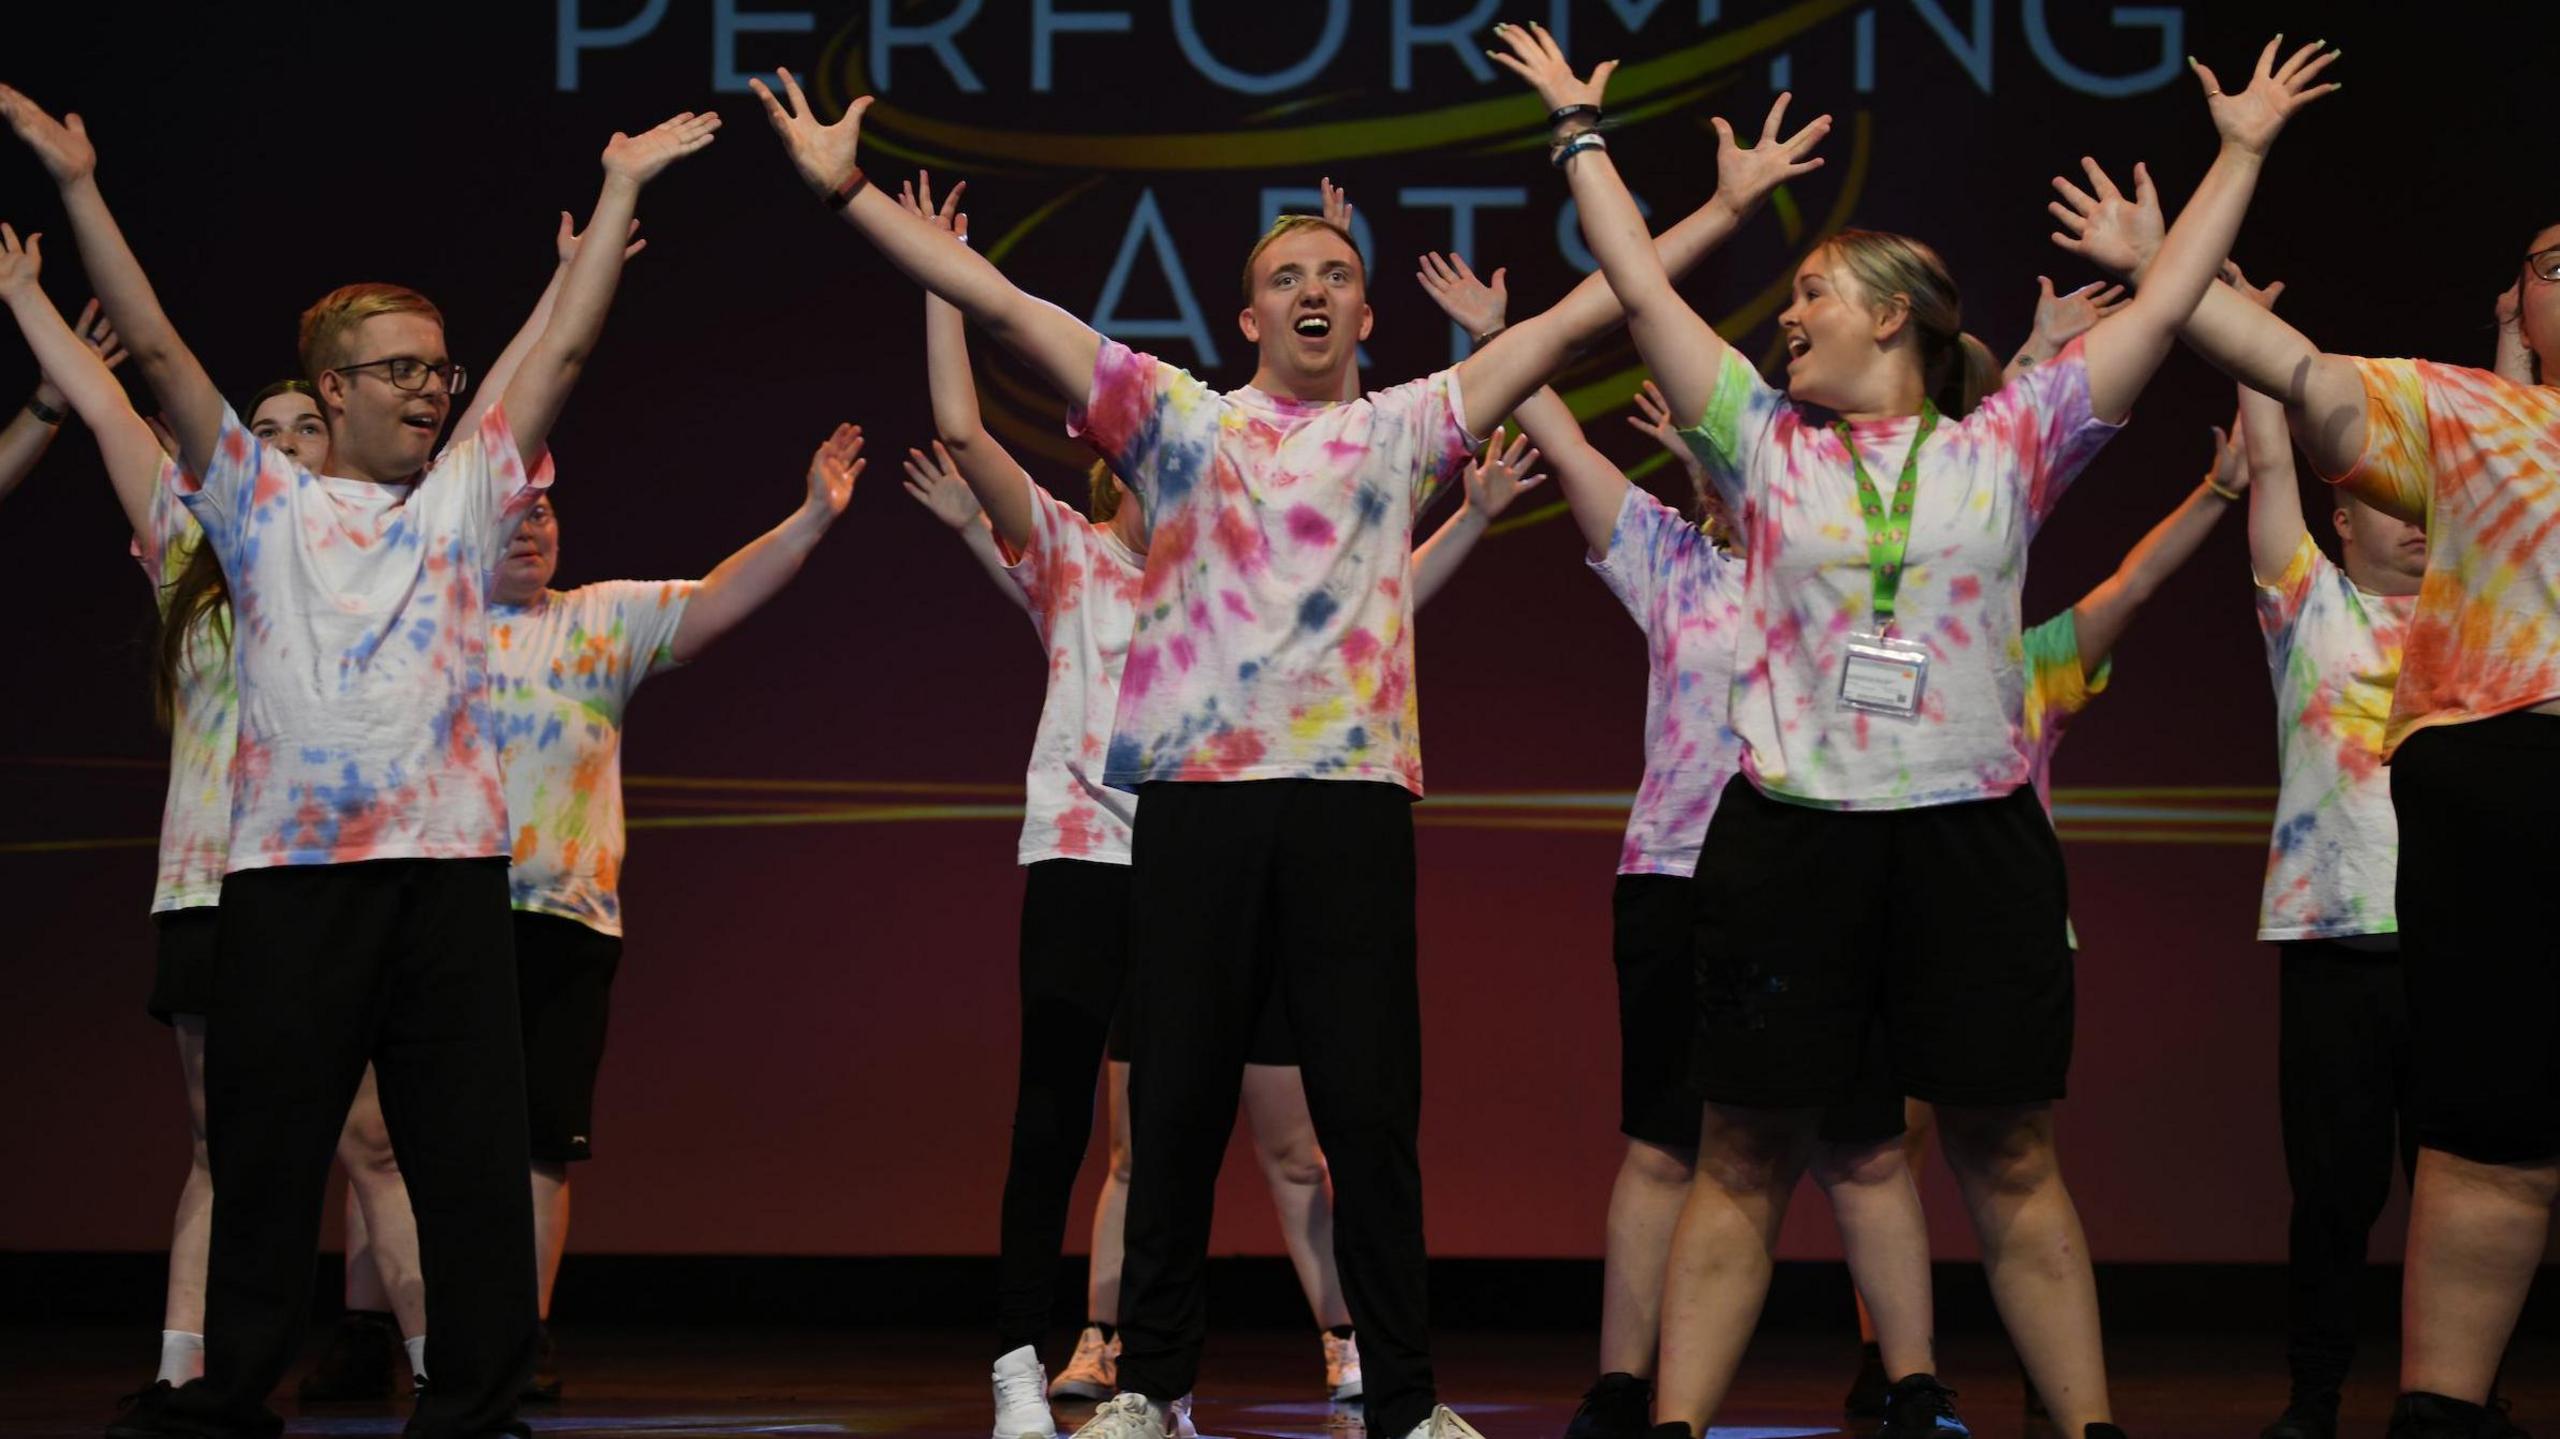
(1443, 1423)
(1132, 1416)
(1342, 1366)
(1094, 1372)
(1022, 1397)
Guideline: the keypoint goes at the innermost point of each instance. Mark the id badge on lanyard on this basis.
(1879, 674)
(1882, 675)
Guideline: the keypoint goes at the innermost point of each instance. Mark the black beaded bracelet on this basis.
(42, 411)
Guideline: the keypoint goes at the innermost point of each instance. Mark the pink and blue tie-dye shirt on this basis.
(360, 645)
(204, 728)
(561, 672)
(1082, 585)
(2059, 686)
(2477, 459)
(1687, 597)
(2334, 652)
(1274, 636)
(1986, 482)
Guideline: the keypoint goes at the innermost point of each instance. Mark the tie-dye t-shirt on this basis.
(1986, 482)
(1687, 597)
(1275, 628)
(2334, 653)
(1082, 585)
(195, 820)
(2058, 688)
(2478, 457)
(561, 672)
(360, 643)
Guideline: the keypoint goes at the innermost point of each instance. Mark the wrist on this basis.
(1734, 208)
(840, 193)
(49, 395)
(2231, 493)
(47, 414)
(1484, 336)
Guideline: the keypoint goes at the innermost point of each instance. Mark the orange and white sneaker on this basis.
(1094, 1372)
(1342, 1366)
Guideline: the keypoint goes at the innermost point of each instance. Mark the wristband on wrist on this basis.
(1561, 153)
(2221, 489)
(1487, 337)
(1563, 113)
(842, 195)
(43, 412)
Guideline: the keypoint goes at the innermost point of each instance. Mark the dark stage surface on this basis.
(677, 1381)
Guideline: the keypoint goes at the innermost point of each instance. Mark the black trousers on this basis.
(2343, 1077)
(1075, 955)
(320, 969)
(1238, 888)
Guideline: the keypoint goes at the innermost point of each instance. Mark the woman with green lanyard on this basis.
(1883, 860)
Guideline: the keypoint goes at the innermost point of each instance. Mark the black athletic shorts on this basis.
(2483, 967)
(1937, 933)
(1273, 1041)
(564, 979)
(182, 968)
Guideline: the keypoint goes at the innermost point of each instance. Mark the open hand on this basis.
(1337, 204)
(2111, 230)
(2251, 118)
(934, 482)
(62, 145)
(1533, 55)
(100, 335)
(2060, 319)
(566, 241)
(1496, 478)
(2230, 459)
(2262, 297)
(823, 154)
(917, 196)
(639, 158)
(1476, 306)
(1653, 417)
(20, 264)
(1744, 178)
(832, 471)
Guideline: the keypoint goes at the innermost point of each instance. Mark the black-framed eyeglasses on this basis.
(405, 373)
(2545, 264)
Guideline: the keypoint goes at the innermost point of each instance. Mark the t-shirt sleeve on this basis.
(169, 534)
(484, 475)
(1740, 418)
(2058, 687)
(1651, 551)
(638, 619)
(2042, 424)
(2396, 472)
(244, 474)
(1054, 556)
(1155, 424)
(2280, 601)
(1442, 447)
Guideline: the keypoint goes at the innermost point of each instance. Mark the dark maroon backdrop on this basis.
(812, 1045)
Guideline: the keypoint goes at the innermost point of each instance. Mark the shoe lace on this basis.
(1933, 1399)
(1124, 1414)
(1021, 1389)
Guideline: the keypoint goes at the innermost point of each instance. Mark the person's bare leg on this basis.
(1721, 1254)
(550, 1227)
(2477, 1233)
(1284, 1139)
(191, 1231)
(380, 1202)
(1919, 1121)
(1886, 1239)
(1644, 1209)
(2034, 1252)
(1111, 1208)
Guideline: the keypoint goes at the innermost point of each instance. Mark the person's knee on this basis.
(2007, 1151)
(1121, 1153)
(364, 1146)
(1743, 1152)
(1657, 1166)
(1296, 1160)
(1860, 1166)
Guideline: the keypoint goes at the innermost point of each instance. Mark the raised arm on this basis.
(539, 389)
(2100, 618)
(934, 482)
(1060, 346)
(2060, 319)
(31, 430)
(1493, 482)
(502, 371)
(755, 574)
(2125, 349)
(82, 373)
(188, 399)
(1002, 486)
(2276, 527)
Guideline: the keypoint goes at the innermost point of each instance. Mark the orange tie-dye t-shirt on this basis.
(2478, 459)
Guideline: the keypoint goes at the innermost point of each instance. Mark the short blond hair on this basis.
(335, 316)
(1288, 225)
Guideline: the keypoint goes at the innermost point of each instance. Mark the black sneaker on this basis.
(2420, 1415)
(1919, 1407)
(364, 1361)
(145, 1414)
(2309, 1416)
(544, 1386)
(2498, 1425)
(1867, 1392)
(1620, 1406)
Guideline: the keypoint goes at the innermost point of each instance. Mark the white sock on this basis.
(181, 1356)
(416, 1344)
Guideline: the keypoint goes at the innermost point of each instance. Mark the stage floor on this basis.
(678, 1382)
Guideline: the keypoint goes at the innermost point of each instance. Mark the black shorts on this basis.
(182, 967)
(1943, 925)
(564, 979)
(2483, 965)
(1273, 1042)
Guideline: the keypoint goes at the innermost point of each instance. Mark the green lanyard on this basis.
(1888, 535)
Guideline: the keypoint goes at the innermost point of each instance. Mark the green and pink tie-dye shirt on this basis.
(2477, 459)
(1274, 636)
(195, 819)
(360, 646)
(562, 670)
(1986, 482)
(1687, 597)
(1082, 586)
(2334, 651)
(2059, 686)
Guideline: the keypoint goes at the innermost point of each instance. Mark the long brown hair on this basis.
(1956, 370)
(200, 595)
